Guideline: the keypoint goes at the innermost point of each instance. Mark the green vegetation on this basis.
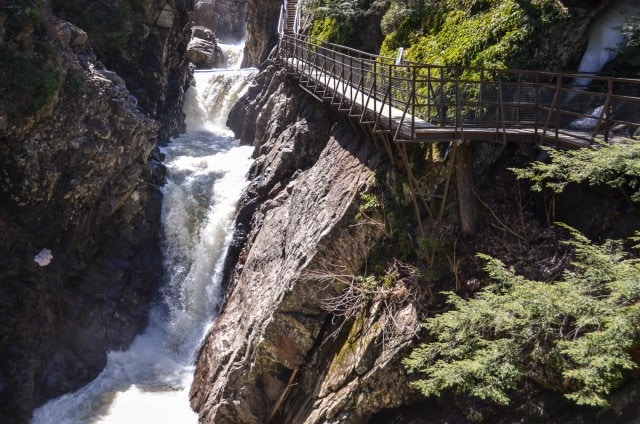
(478, 33)
(615, 165)
(630, 52)
(574, 335)
(341, 22)
(26, 84)
(23, 14)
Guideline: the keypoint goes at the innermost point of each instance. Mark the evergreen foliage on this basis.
(574, 335)
(615, 165)
(630, 52)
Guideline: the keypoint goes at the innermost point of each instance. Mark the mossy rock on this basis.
(26, 84)
(481, 33)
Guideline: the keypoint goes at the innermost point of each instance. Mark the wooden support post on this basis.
(464, 184)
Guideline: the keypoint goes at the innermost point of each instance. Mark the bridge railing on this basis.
(409, 98)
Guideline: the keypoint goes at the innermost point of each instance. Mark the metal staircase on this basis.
(289, 17)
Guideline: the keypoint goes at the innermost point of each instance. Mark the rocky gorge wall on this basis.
(213, 22)
(79, 200)
(262, 24)
(297, 217)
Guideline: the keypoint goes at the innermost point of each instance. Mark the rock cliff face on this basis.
(79, 204)
(298, 215)
(145, 43)
(230, 20)
(262, 23)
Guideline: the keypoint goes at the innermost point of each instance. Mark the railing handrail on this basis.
(540, 99)
(410, 64)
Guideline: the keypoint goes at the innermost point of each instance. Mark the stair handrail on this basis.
(296, 20)
(282, 21)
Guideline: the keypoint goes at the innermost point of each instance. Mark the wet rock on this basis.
(203, 50)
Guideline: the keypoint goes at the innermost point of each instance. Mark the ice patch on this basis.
(43, 258)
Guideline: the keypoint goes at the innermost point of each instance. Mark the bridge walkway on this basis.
(427, 103)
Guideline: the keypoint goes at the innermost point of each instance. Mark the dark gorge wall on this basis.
(262, 23)
(144, 42)
(79, 197)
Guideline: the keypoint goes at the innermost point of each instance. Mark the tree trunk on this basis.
(466, 191)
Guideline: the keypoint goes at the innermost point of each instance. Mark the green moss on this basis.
(487, 33)
(349, 346)
(341, 22)
(26, 84)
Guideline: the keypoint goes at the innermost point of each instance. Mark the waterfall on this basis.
(604, 39)
(206, 171)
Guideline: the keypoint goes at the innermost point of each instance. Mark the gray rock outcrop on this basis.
(262, 34)
(203, 50)
(230, 20)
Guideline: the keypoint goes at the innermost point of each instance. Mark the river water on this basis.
(206, 172)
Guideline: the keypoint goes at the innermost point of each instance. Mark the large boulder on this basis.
(203, 50)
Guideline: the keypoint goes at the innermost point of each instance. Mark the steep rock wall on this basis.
(230, 20)
(296, 225)
(144, 42)
(262, 22)
(79, 202)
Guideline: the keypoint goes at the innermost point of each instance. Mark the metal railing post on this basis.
(413, 100)
(390, 93)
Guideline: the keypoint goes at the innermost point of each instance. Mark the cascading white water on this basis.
(206, 171)
(604, 38)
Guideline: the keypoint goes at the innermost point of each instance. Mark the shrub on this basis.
(574, 335)
(630, 51)
(23, 14)
(615, 165)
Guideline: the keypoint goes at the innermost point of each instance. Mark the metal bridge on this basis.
(415, 102)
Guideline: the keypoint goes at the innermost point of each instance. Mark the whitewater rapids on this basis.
(206, 172)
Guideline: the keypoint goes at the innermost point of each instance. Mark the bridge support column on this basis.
(465, 187)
